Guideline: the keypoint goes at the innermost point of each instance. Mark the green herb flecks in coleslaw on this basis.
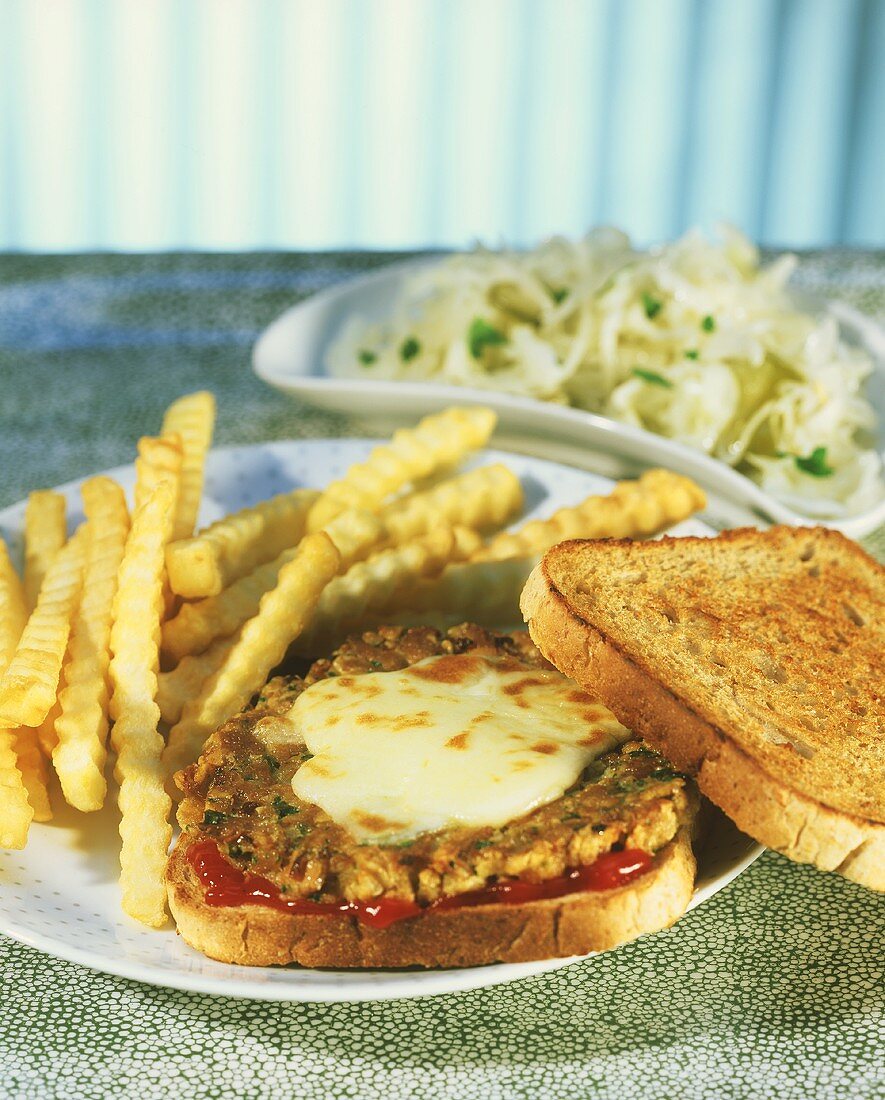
(693, 340)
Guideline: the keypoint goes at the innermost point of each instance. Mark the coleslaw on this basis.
(693, 340)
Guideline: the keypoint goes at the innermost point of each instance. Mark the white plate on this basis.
(290, 354)
(61, 894)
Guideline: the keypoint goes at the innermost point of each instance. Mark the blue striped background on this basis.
(394, 123)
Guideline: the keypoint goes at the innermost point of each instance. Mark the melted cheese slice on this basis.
(454, 740)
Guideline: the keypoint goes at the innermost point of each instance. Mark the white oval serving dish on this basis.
(290, 355)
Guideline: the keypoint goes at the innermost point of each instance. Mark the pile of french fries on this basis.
(139, 635)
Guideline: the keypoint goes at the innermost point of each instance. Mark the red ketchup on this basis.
(608, 871)
(226, 885)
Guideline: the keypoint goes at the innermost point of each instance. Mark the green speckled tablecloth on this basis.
(774, 988)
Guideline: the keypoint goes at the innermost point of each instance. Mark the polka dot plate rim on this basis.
(61, 895)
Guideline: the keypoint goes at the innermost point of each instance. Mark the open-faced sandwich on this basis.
(428, 799)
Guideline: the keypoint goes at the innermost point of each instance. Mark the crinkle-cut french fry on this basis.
(484, 592)
(467, 543)
(192, 418)
(13, 608)
(45, 733)
(283, 614)
(354, 534)
(134, 645)
(197, 624)
(16, 811)
(484, 498)
(382, 582)
(187, 678)
(28, 687)
(438, 442)
(45, 535)
(633, 509)
(81, 726)
(159, 458)
(236, 545)
(34, 770)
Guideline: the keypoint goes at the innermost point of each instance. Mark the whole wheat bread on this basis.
(753, 660)
(473, 936)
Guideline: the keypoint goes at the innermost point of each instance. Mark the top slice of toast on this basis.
(754, 659)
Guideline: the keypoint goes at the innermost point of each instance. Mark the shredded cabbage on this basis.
(693, 340)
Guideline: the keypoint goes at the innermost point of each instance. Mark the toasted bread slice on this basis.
(753, 661)
(473, 936)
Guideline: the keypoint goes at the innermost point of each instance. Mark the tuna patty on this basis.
(239, 794)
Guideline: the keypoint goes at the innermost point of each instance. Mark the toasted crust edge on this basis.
(474, 936)
(803, 829)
